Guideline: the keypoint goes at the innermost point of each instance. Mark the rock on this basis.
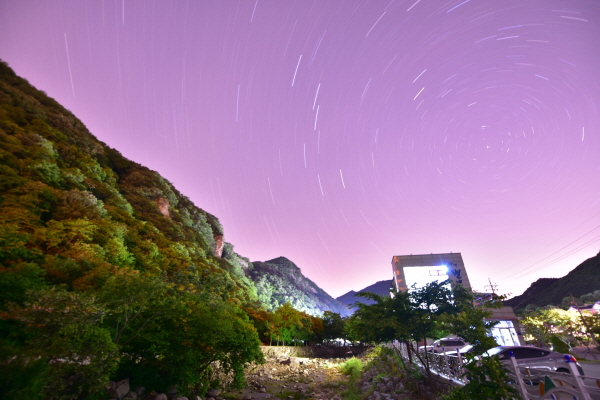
(131, 395)
(118, 389)
(262, 390)
(139, 390)
(182, 398)
(161, 396)
(213, 392)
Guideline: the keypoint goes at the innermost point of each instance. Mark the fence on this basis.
(538, 384)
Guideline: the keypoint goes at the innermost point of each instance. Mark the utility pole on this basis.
(493, 288)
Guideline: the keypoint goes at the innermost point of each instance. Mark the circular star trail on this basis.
(341, 133)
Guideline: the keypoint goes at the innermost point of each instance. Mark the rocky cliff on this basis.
(279, 281)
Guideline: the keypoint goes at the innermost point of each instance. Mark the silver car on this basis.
(445, 345)
(532, 357)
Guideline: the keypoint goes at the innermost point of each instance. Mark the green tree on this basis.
(169, 336)
(541, 324)
(66, 348)
(412, 316)
(290, 325)
(333, 327)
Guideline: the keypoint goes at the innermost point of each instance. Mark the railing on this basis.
(538, 384)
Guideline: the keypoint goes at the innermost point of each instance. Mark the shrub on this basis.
(352, 367)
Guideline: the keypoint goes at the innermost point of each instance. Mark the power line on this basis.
(521, 272)
(552, 244)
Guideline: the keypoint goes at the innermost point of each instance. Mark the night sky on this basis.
(339, 133)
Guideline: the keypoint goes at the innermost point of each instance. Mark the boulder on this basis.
(161, 396)
(139, 390)
(213, 392)
(131, 395)
(118, 389)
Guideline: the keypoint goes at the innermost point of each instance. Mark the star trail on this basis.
(341, 133)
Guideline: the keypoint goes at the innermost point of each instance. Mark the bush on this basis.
(352, 367)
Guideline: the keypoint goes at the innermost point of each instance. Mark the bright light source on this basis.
(421, 276)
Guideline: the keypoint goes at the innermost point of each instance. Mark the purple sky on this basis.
(341, 133)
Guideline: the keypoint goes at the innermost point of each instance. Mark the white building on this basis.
(422, 269)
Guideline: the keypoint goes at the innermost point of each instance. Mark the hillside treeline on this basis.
(107, 271)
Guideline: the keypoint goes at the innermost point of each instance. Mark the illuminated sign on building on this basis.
(425, 268)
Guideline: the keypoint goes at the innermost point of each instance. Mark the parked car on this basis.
(468, 349)
(532, 357)
(445, 344)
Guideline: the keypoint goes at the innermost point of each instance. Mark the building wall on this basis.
(453, 261)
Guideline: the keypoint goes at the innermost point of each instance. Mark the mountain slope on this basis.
(279, 281)
(381, 288)
(80, 211)
(106, 266)
(585, 278)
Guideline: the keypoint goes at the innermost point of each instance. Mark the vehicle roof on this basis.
(520, 347)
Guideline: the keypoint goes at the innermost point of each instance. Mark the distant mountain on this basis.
(279, 281)
(584, 279)
(381, 288)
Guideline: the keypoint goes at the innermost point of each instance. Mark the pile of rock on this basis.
(382, 381)
(120, 390)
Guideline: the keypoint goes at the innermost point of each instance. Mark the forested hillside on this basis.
(584, 279)
(280, 281)
(106, 270)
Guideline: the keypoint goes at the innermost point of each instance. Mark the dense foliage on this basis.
(561, 329)
(433, 311)
(106, 270)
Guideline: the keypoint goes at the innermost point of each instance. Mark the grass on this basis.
(352, 368)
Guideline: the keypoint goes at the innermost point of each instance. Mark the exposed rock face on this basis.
(219, 243)
(163, 206)
(279, 281)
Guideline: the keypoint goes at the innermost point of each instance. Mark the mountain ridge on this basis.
(272, 276)
(381, 288)
(583, 279)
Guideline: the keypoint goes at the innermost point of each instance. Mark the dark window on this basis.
(529, 353)
(451, 343)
